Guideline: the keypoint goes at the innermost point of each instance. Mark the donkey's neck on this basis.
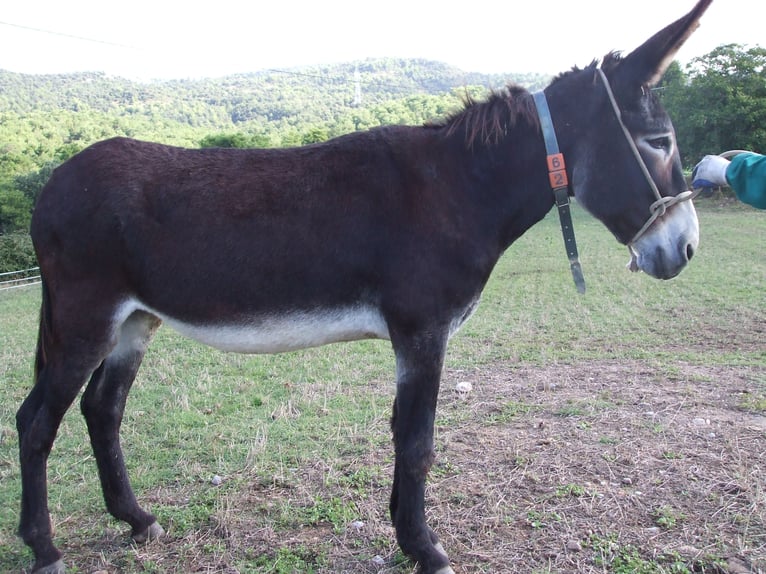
(508, 181)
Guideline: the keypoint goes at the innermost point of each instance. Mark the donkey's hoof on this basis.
(153, 532)
(444, 569)
(440, 549)
(56, 568)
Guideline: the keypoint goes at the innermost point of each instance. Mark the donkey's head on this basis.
(621, 150)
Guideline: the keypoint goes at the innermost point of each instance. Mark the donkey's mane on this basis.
(489, 120)
(610, 61)
(608, 64)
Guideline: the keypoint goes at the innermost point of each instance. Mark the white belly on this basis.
(277, 333)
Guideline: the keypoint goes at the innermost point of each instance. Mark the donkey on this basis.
(390, 233)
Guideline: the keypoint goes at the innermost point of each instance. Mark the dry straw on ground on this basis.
(590, 467)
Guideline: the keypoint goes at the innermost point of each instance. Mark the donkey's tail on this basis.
(28, 409)
(44, 334)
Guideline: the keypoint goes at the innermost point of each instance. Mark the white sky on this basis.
(173, 39)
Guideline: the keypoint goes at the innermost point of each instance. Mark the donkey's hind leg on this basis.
(62, 366)
(37, 421)
(103, 404)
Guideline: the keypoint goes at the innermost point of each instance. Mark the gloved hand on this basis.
(710, 172)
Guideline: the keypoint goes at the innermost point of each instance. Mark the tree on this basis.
(32, 183)
(231, 140)
(16, 252)
(15, 210)
(315, 134)
(236, 139)
(720, 104)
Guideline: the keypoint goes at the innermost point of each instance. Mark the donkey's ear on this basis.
(646, 64)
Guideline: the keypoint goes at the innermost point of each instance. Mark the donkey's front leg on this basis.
(418, 366)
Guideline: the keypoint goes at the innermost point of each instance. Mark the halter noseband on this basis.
(560, 183)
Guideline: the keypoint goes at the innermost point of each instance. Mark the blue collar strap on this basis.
(557, 175)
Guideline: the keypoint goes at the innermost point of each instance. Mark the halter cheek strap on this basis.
(557, 176)
(659, 207)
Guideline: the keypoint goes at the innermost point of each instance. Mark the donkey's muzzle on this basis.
(668, 245)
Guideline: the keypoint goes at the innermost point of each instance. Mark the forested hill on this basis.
(295, 96)
(45, 119)
(717, 102)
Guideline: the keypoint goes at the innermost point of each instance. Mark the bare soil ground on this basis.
(618, 466)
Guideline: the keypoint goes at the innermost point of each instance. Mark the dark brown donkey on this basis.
(390, 233)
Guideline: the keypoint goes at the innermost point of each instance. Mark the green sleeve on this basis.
(746, 175)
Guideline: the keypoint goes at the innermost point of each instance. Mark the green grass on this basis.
(531, 308)
(195, 412)
(626, 559)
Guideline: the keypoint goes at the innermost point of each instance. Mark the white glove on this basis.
(710, 172)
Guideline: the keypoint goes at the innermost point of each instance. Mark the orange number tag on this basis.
(557, 170)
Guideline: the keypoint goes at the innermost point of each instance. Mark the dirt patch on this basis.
(596, 462)
(619, 466)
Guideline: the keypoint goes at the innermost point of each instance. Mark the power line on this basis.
(65, 35)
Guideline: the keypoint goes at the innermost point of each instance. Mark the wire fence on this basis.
(22, 278)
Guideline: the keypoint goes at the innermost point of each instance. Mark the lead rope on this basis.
(659, 207)
(732, 152)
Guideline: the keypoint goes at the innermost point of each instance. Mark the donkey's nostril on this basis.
(689, 251)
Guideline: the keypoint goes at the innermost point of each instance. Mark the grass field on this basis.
(618, 431)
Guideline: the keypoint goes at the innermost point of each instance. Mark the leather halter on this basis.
(560, 183)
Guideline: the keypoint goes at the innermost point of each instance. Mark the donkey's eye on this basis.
(662, 142)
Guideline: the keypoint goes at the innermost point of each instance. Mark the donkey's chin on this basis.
(668, 245)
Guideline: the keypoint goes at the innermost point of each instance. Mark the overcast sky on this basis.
(145, 39)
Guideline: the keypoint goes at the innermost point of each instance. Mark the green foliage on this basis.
(45, 119)
(15, 210)
(755, 403)
(18, 199)
(281, 99)
(666, 517)
(289, 561)
(315, 134)
(334, 511)
(574, 490)
(16, 252)
(235, 140)
(719, 102)
(626, 559)
(30, 184)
